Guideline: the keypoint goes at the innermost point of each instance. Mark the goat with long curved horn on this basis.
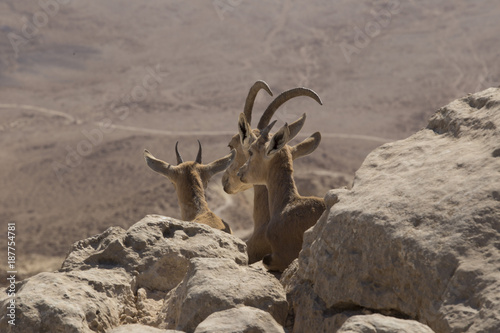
(258, 245)
(270, 163)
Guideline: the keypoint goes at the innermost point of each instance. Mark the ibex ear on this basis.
(278, 141)
(244, 130)
(296, 126)
(307, 146)
(159, 166)
(220, 164)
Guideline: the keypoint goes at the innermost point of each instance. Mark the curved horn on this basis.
(198, 157)
(179, 157)
(265, 132)
(252, 93)
(281, 99)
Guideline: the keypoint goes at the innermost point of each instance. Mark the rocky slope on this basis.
(414, 246)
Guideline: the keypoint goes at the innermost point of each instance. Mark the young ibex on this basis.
(258, 245)
(190, 180)
(270, 163)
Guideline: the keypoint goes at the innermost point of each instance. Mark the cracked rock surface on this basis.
(118, 277)
(418, 236)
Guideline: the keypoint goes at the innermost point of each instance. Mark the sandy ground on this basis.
(85, 86)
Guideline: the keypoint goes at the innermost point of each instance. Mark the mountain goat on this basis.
(258, 245)
(190, 180)
(270, 163)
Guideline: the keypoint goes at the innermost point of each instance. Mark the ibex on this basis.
(270, 163)
(190, 180)
(258, 245)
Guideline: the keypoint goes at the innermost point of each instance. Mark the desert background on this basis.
(85, 86)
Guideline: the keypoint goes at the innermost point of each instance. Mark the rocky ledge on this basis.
(418, 236)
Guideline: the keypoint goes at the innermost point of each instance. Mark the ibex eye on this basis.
(250, 153)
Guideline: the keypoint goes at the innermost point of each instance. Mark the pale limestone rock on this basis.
(90, 301)
(116, 278)
(213, 285)
(243, 319)
(377, 323)
(138, 328)
(148, 305)
(418, 234)
(156, 249)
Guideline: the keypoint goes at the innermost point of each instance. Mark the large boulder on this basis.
(213, 285)
(72, 302)
(156, 250)
(243, 319)
(118, 277)
(418, 235)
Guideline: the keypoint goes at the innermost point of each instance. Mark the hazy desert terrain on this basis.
(85, 86)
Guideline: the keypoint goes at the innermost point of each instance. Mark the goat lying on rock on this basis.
(190, 180)
(270, 163)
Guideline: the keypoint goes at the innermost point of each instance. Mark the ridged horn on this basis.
(281, 99)
(179, 157)
(252, 93)
(198, 157)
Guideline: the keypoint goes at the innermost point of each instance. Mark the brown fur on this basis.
(271, 164)
(258, 245)
(190, 180)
